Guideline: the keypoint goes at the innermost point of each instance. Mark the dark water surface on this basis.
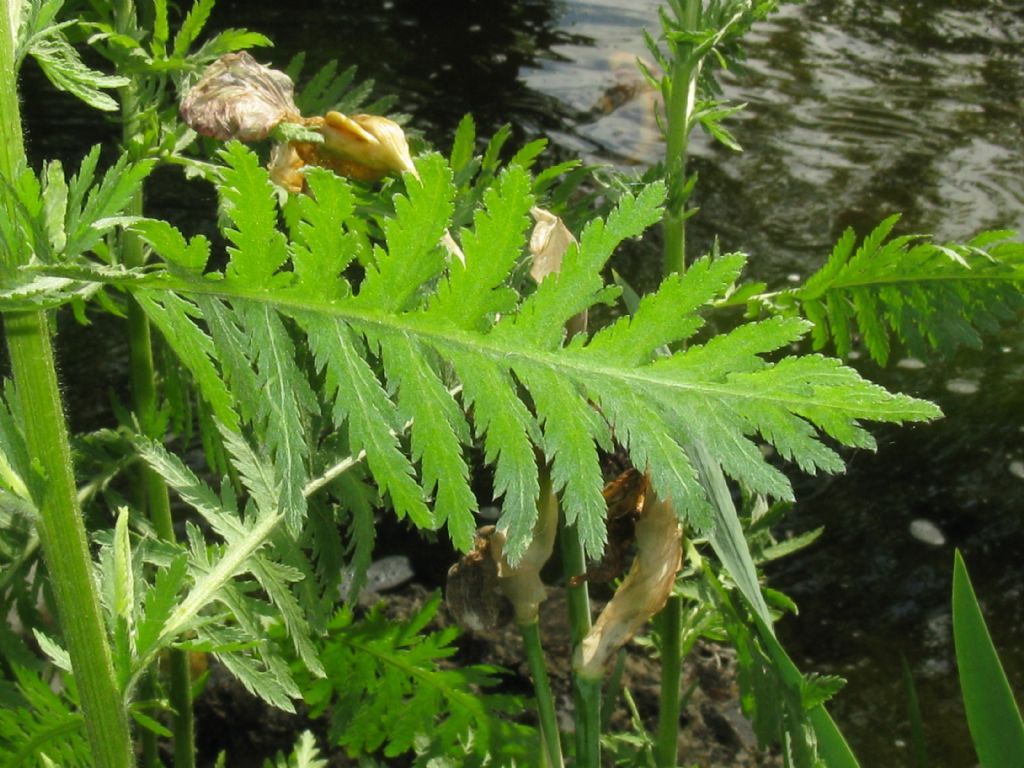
(857, 109)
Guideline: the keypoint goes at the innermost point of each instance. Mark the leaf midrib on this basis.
(486, 346)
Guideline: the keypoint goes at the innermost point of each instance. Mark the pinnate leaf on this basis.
(391, 350)
(928, 297)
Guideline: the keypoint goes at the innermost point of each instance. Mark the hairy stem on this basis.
(61, 528)
(679, 113)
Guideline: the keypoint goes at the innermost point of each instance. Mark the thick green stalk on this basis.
(62, 533)
(542, 688)
(679, 111)
(153, 496)
(585, 697)
(683, 102)
(666, 747)
(61, 528)
(588, 721)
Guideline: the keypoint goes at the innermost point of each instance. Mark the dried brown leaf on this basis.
(642, 593)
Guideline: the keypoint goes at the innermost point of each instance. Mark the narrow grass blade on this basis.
(992, 714)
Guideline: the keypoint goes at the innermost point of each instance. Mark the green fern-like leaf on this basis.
(46, 730)
(56, 221)
(929, 297)
(330, 89)
(41, 37)
(414, 254)
(247, 197)
(325, 235)
(372, 417)
(396, 346)
(172, 315)
(219, 605)
(192, 26)
(285, 399)
(386, 691)
(304, 755)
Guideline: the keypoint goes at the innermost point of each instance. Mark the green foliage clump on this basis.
(388, 690)
(344, 359)
(40, 728)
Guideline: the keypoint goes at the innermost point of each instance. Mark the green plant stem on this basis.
(612, 689)
(62, 533)
(679, 112)
(588, 710)
(61, 528)
(578, 597)
(153, 496)
(542, 689)
(682, 104)
(666, 750)
(154, 499)
(588, 721)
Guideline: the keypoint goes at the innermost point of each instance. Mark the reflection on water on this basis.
(857, 109)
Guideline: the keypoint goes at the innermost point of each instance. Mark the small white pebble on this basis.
(927, 532)
(910, 364)
(963, 386)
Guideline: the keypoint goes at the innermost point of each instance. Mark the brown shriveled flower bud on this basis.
(642, 593)
(239, 98)
(472, 593)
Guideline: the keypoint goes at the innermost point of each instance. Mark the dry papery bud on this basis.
(239, 98)
(521, 582)
(365, 147)
(549, 241)
(483, 583)
(472, 594)
(642, 593)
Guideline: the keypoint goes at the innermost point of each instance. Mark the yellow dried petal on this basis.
(642, 593)
(368, 142)
(286, 168)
